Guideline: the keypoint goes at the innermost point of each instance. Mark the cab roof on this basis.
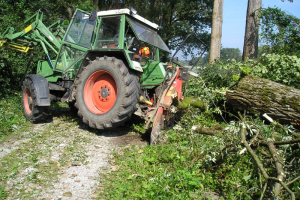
(126, 11)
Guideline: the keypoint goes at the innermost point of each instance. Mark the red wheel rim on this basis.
(27, 101)
(100, 92)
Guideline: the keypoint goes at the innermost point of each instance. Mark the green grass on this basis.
(11, 116)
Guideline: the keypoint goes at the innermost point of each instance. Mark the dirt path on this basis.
(78, 180)
(68, 160)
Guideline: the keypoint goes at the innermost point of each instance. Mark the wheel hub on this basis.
(100, 92)
(104, 92)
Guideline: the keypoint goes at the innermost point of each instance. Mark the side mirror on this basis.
(93, 15)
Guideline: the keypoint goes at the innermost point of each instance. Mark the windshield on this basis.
(147, 34)
(81, 30)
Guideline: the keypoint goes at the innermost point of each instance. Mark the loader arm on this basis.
(34, 34)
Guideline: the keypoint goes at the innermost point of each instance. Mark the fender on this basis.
(40, 85)
(119, 54)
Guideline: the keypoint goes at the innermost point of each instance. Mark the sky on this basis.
(234, 19)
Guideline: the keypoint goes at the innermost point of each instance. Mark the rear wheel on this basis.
(107, 93)
(31, 110)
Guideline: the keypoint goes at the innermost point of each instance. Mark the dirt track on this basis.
(69, 160)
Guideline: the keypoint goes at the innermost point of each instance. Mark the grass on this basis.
(177, 169)
(39, 158)
(11, 116)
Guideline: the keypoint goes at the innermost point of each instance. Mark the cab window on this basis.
(81, 30)
(139, 51)
(108, 34)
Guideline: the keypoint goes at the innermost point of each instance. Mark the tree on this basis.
(280, 31)
(216, 30)
(251, 30)
(228, 54)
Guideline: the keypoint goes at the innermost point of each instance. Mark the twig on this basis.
(232, 85)
(278, 164)
(292, 161)
(293, 180)
(263, 192)
(206, 131)
(280, 142)
(243, 136)
(284, 186)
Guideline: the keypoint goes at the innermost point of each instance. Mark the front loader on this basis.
(106, 64)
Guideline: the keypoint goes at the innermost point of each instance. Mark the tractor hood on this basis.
(147, 34)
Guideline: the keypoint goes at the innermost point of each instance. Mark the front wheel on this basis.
(106, 93)
(31, 110)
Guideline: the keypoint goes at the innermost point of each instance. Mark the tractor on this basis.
(106, 64)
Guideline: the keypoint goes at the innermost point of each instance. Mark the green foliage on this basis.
(227, 54)
(220, 74)
(280, 31)
(283, 69)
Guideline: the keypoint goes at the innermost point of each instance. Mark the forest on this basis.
(242, 143)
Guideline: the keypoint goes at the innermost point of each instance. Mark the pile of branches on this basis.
(274, 157)
(277, 171)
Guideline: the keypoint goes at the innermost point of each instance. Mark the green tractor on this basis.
(106, 64)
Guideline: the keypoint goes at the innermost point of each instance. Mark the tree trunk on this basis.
(276, 100)
(251, 31)
(216, 31)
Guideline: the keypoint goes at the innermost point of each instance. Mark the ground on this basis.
(60, 159)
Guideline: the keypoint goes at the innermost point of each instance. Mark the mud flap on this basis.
(157, 126)
(41, 89)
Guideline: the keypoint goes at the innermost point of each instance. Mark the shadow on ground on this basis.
(123, 135)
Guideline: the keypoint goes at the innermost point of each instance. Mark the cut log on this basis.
(280, 102)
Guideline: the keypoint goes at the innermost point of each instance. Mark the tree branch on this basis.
(263, 193)
(259, 164)
(206, 131)
(280, 171)
(293, 180)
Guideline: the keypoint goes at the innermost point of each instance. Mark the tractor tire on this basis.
(31, 110)
(106, 93)
(72, 107)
